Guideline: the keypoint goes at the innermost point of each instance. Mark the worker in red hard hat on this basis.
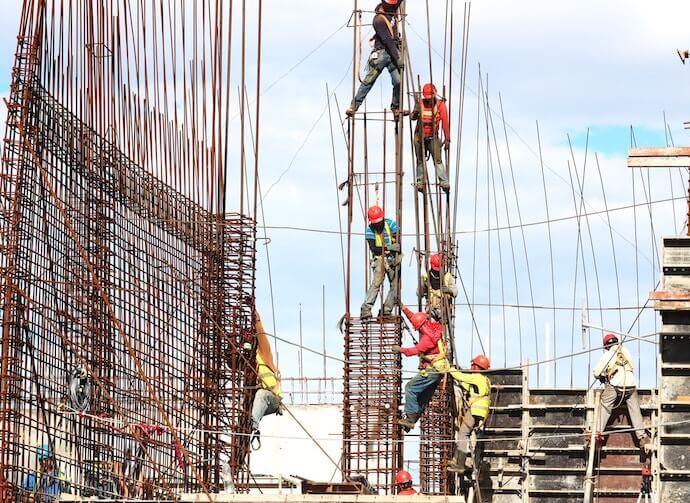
(615, 370)
(385, 56)
(436, 290)
(430, 112)
(433, 363)
(382, 238)
(473, 400)
(403, 483)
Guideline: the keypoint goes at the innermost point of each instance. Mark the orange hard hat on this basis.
(436, 261)
(402, 477)
(429, 91)
(375, 214)
(610, 339)
(481, 361)
(418, 319)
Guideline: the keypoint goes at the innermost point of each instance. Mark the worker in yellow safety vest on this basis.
(475, 402)
(268, 397)
(435, 288)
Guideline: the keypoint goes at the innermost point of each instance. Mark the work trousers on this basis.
(381, 268)
(378, 61)
(432, 145)
(265, 403)
(420, 389)
(613, 396)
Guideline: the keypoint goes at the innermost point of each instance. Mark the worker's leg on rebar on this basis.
(393, 273)
(636, 414)
(462, 448)
(374, 69)
(378, 272)
(609, 397)
(438, 163)
(420, 153)
(419, 390)
(395, 80)
(260, 406)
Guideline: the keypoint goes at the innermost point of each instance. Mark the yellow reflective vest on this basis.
(266, 377)
(477, 388)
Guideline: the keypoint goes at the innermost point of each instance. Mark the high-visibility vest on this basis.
(266, 377)
(379, 237)
(430, 118)
(477, 388)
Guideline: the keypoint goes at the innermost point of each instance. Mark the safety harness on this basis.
(430, 118)
(379, 241)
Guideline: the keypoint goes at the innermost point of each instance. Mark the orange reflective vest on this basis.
(430, 117)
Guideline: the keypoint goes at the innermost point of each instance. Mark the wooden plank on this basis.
(668, 295)
(659, 162)
(659, 152)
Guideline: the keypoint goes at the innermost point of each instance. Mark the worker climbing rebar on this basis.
(435, 290)
(387, 54)
(615, 370)
(473, 403)
(385, 261)
(430, 112)
(268, 398)
(433, 364)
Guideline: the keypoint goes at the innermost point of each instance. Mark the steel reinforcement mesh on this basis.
(372, 444)
(124, 305)
(436, 446)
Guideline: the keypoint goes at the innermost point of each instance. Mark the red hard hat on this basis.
(482, 362)
(418, 319)
(429, 91)
(610, 339)
(436, 261)
(375, 214)
(391, 2)
(402, 477)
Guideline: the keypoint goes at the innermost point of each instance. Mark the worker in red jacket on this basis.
(403, 483)
(433, 363)
(430, 112)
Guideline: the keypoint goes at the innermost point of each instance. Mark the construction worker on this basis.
(48, 482)
(615, 370)
(403, 483)
(475, 402)
(268, 398)
(386, 55)
(385, 261)
(430, 112)
(434, 290)
(432, 363)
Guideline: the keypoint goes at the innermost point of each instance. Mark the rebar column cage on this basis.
(112, 277)
(372, 437)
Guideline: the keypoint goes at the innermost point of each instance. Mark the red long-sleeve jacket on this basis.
(430, 335)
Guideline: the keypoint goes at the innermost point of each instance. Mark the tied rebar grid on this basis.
(436, 448)
(179, 282)
(372, 444)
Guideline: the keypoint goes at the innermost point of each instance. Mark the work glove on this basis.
(446, 144)
(395, 247)
(395, 348)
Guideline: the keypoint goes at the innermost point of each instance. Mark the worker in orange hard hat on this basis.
(435, 289)
(403, 483)
(385, 56)
(615, 370)
(430, 112)
(473, 400)
(433, 363)
(382, 238)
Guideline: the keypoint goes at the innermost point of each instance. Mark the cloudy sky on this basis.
(573, 67)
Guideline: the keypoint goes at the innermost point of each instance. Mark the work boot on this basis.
(419, 186)
(445, 186)
(458, 463)
(646, 445)
(408, 421)
(365, 314)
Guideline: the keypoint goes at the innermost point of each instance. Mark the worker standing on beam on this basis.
(387, 54)
(432, 363)
(615, 370)
(268, 398)
(381, 235)
(430, 112)
(436, 290)
(474, 402)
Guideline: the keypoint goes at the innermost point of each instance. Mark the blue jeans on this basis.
(419, 391)
(378, 61)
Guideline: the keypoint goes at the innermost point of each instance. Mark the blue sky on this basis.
(569, 65)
